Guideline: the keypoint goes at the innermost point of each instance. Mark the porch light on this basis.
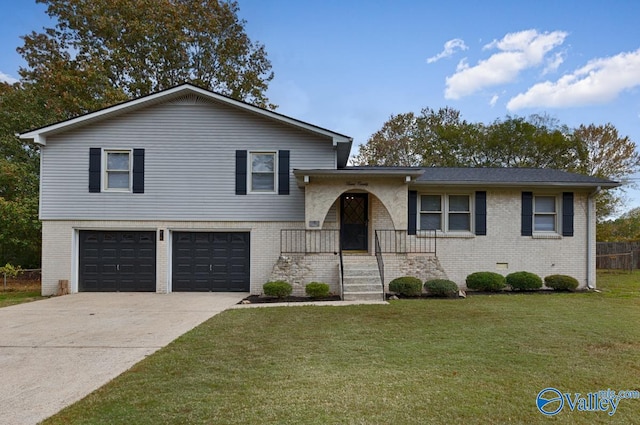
(407, 179)
(306, 179)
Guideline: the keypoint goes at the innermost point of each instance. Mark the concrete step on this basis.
(358, 273)
(362, 296)
(362, 280)
(363, 287)
(368, 259)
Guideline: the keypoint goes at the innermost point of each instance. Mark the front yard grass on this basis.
(482, 360)
(19, 291)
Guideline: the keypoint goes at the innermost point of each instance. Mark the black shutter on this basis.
(283, 172)
(138, 171)
(95, 165)
(567, 214)
(527, 214)
(413, 212)
(481, 213)
(241, 172)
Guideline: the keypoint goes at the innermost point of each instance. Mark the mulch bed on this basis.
(257, 299)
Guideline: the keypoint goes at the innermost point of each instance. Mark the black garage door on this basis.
(211, 261)
(117, 261)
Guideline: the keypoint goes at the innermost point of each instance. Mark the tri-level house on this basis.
(189, 190)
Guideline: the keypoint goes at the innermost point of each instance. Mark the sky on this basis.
(349, 65)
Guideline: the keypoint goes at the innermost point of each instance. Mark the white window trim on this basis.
(556, 214)
(105, 171)
(250, 173)
(444, 210)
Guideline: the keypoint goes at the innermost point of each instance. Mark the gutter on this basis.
(590, 210)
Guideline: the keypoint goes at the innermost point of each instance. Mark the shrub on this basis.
(407, 285)
(278, 288)
(561, 282)
(485, 281)
(317, 290)
(10, 270)
(441, 288)
(524, 281)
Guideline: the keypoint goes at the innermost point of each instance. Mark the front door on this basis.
(354, 221)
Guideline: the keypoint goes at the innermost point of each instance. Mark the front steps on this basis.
(361, 280)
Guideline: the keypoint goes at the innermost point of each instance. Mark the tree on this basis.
(538, 141)
(625, 228)
(603, 153)
(19, 165)
(443, 139)
(434, 138)
(395, 144)
(106, 50)
(102, 52)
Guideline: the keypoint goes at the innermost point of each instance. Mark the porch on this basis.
(361, 272)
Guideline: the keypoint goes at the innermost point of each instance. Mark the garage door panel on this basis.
(210, 259)
(113, 261)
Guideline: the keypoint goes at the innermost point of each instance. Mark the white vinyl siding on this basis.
(189, 167)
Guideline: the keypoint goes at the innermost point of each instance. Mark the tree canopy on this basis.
(101, 52)
(625, 228)
(443, 139)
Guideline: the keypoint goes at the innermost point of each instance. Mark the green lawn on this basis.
(11, 298)
(18, 291)
(480, 360)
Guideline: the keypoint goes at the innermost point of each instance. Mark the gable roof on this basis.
(341, 142)
(451, 176)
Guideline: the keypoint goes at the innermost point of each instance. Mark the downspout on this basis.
(590, 210)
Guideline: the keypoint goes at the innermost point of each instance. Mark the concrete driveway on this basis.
(54, 352)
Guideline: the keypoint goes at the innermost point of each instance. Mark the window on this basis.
(544, 214)
(117, 170)
(430, 212)
(445, 212)
(263, 175)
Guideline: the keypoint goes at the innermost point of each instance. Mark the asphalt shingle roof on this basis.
(464, 175)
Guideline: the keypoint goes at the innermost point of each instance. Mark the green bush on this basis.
(407, 285)
(317, 289)
(278, 288)
(524, 281)
(561, 282)
(441, 288)
(485, 281)
(10, 270)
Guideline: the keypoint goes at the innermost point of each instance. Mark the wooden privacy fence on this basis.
(618, 255)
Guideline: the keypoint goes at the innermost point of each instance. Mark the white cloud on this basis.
(517, 52)
(493, 100)
(7, 78)
(599, 81)
(450, 47)
(553, 64)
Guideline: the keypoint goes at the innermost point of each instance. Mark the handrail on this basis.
(380, 262)
(340, 234)
(303, 241)
(394, 241)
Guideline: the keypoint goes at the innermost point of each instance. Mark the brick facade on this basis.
(503, 249)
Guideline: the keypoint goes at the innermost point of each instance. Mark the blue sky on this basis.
(348, 65)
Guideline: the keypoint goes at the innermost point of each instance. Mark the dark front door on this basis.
(117, 261)
(354, 221)
(211, 261)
